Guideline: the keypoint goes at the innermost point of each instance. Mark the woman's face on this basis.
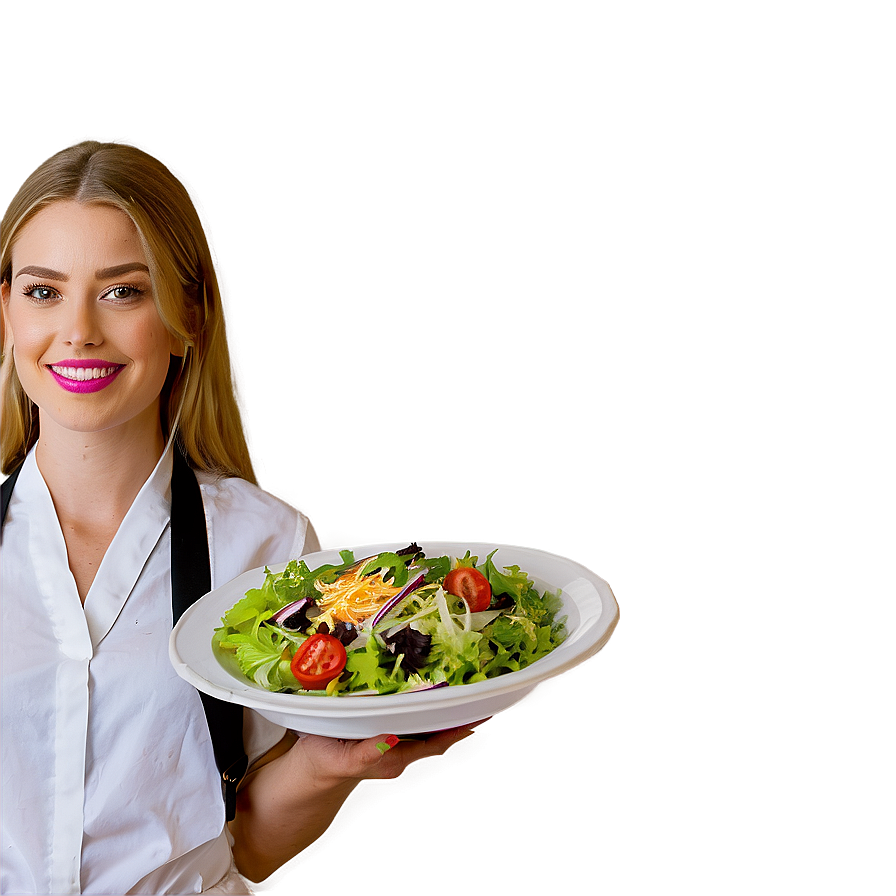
(89, 346)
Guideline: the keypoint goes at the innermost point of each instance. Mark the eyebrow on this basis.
(103, 274)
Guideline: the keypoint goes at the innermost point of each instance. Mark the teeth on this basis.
(84, 373)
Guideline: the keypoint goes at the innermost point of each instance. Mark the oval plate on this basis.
(588, 603)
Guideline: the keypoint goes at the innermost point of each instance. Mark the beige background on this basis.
(611, 280)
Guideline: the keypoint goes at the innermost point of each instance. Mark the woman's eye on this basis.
(123, 293)
(41, 293)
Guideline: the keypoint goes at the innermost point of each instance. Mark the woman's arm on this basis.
(291, 798)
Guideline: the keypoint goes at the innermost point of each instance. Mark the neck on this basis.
(97, 475)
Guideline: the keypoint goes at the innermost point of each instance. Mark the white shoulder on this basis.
(248, 527)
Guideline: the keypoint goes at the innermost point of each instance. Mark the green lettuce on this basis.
(521, 628)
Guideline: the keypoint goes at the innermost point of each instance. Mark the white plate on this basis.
(588, 604)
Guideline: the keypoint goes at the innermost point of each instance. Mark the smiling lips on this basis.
(89, 375)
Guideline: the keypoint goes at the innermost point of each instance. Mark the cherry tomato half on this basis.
(471, 585)
(318, 661)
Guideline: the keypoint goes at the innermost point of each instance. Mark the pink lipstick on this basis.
(85, 375)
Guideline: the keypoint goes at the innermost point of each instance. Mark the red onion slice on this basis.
(295, 616)
(426, 687)
(393, 602)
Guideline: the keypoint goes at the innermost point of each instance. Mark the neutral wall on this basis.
(611, 280)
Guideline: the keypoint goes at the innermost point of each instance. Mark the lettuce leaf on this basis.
(454, 650)
(511, 581)
(393, 566)
(436, 568)
(373, 667)
(260, 656)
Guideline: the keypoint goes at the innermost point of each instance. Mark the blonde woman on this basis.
(130, 492)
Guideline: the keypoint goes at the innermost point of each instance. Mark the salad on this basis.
(396, 621)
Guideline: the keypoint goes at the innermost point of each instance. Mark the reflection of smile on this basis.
(90, 375)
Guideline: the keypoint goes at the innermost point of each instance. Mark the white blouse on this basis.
(109, 783)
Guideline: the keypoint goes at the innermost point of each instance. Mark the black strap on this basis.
(6, 493)
(190, 579)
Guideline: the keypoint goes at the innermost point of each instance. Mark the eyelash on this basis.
(136, 292)
(26, 291)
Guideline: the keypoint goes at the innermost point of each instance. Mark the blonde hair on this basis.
(199, 396)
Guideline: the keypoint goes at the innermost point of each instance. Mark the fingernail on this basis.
(390, 742)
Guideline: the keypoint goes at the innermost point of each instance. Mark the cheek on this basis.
(27, 338)
(28, 344)
(152, 343)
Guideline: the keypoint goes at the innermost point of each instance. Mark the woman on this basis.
(115, 376)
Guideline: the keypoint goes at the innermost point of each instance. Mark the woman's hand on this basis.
(386, 756)
(292, 796)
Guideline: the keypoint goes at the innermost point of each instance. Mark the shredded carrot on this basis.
(353, 597)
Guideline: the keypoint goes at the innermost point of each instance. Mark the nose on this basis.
(81, 327)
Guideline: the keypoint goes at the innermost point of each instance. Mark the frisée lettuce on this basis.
(401, 629)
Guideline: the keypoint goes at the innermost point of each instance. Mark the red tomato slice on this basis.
(471, 585)
(318, 661)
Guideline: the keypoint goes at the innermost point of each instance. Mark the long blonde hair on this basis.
(199, 393)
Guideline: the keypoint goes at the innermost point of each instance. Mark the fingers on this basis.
(389, 755)
(383, 756)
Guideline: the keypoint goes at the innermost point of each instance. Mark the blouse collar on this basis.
(139, 533)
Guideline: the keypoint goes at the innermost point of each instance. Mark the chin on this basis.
(86, 423)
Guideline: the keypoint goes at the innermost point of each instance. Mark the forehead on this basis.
(70, 237)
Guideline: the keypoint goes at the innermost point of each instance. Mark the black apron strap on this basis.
(190, 579)
(6, 493)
